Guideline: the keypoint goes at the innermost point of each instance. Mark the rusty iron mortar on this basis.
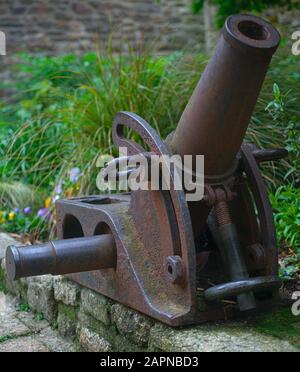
(182, 263)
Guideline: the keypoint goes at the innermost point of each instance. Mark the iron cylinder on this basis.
(61, 257)
(216, 118)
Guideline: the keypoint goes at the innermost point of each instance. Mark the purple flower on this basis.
(27, 210)
(74, 174)
(58, 189)
(17, 210)
(43, 213)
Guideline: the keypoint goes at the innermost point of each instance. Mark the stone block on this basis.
(40, 296)
(92, 342)
(65, 326)
(87, 321)
(96, 305)
(66, 291)
(132, 325)
(66, 321)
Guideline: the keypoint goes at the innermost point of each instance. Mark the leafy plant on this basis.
(15, 194)
(286, 205)
(229, 7)
(24, 307)
(26, 221)
(291, 125)
(60, 120)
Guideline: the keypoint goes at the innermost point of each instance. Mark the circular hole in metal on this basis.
(253, 30)
(170, 269)
(72, 227)
(102, 228)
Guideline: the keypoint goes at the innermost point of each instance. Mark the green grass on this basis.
(62, 115)
(5, 338)
(281, 324)
(66, 106)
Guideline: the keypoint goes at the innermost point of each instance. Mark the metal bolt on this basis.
(174, 269)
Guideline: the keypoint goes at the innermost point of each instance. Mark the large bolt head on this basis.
(174, 268)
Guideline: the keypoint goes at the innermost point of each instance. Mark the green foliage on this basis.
(61, 120)
(57, 126)
(5, 338)
(289, 267)
(39, 317)
(282, 324)
(15, 193)
(286, 205)
(17, 221)
(291, 125)
(60, 123)
(197, 5)
(24, 307)
(229, 7)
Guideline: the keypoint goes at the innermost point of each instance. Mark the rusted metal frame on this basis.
(158, 147)
(264, 208)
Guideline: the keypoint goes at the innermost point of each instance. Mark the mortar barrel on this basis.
(216, 118)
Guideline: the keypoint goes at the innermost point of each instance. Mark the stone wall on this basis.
(94, 323)
(68, 26)
(74, 26)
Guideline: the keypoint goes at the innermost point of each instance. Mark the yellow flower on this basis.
(48, 202)
(11, 216)
(2, 220)
(69, 192)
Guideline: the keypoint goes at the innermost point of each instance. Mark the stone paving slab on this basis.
(23, 344)
(23, 331)
(32, 322)
(211, 339)
(5, 241)
(54, 342)
(10, 325)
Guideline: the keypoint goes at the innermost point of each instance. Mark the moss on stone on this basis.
(282, 324)
(68, 311)
(3, 286)
(88, 321)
